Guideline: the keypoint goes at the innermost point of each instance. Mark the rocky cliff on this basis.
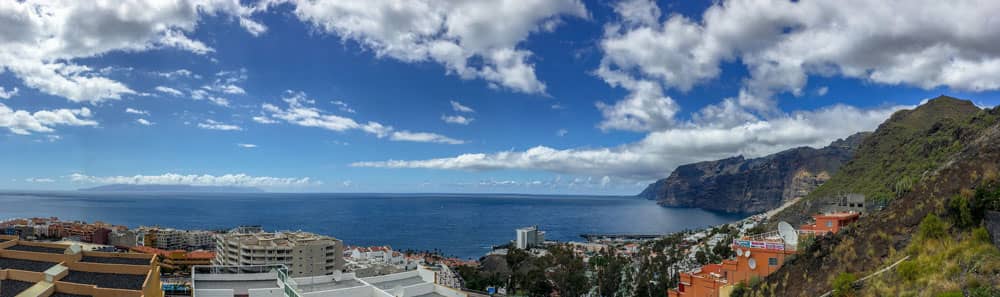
(740, 185)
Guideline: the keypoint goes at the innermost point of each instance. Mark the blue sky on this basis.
(560, 96)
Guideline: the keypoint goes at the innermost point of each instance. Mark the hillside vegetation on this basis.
(935, 167)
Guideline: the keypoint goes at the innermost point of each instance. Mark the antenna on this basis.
(788, 234)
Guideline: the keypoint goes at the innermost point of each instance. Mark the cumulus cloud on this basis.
(471, 39)
(301, 112)
(232, 180)
(927, 44)
(457, 119)
(213, 125)
(6, 94)
(24, 123)
(659, 152)
(144, 122)
(42, 39)
(169, 90)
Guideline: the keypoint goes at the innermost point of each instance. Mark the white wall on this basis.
(449, 292)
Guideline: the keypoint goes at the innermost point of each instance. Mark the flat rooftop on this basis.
(115, 260)
(330, 286)
(106, 280)
(10, 288)
(68, 295)
(37, 249)
(238, 287)
(409, 281)
(26, 265)
(431, 294)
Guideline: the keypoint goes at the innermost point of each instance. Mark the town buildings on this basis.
(32, 269)
(303, 253)
(529, 237)
(757, 255)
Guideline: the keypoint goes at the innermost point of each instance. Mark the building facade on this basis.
(305, 254)
(529, 237)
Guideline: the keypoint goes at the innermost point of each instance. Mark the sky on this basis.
(477, 96)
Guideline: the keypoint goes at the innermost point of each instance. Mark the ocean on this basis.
(461, 225)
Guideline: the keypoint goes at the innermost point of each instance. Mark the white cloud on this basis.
(201, 94)
(423, 137)
(236, 180)
(926, 44)
(343, 106)
(472, 39)
(562, 132)
(659, 152)
(136, 111)
(822, 90)
(5, 94)
(169, 90)
(644, 109)
(179, 73)
(456, 106)
(144, 122)
(24, 122)
(264, 120)
(213, 125)
(246, 145)
(42, 39)
(457, 119)
(232, 89)
(301, 112)
(39, 180)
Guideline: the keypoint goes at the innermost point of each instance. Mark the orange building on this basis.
(177, 259)
(830, 223)
(756, 256)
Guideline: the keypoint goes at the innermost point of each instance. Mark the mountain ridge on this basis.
(741, 185)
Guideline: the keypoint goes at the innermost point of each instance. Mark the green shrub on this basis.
(961, 213)
(908, 270)
(984, 291)
(981, 234)
(931, 227)
(843, 285)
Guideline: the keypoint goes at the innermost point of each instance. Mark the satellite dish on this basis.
(752, 263)
(739, 252)
(747, 254)
(788, 233)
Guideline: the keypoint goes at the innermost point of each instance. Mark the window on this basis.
(772, 261)
(829, 224)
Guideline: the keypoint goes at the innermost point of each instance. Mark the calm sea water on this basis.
(463, 225)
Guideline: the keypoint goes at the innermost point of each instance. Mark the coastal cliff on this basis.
(740, 185)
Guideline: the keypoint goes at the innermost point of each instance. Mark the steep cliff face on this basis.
(752, 185)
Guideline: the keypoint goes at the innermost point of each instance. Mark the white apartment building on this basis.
(529, 237)
(305, 254)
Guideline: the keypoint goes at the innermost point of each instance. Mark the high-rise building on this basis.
(305, 254)
(529, 237)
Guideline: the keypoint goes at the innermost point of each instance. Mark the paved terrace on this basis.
(327, 286)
